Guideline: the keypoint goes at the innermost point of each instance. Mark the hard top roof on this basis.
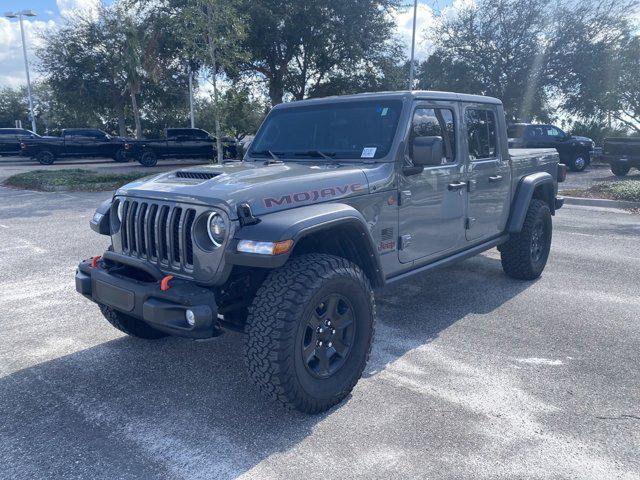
(399, 95)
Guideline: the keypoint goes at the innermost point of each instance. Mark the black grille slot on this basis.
(141, 223)
(131, 224)
(188, 243)
(162, 227)
(123, 227)
(196, 175)
(175, 232)
(151, 228)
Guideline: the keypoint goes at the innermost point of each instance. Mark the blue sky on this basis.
(52, 12)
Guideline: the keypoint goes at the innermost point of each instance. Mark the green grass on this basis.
(73, 179)
(623, 190)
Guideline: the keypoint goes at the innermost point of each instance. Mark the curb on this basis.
(600, 202)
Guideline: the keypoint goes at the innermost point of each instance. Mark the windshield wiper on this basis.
(267, 152)
(316, 153)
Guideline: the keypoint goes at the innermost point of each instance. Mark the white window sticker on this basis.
(385, 110)
(368, 152)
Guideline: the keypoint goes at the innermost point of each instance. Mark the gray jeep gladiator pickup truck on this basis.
(335, 198)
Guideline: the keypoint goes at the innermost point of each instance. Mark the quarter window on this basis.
(481, 133)
(435, 122)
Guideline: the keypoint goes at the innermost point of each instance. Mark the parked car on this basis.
(335, 197)
(622, 153)
(75, 142)
(575, 151)
(10, 139)
(179, 143)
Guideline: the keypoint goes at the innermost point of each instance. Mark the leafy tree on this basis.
(494, 48)
(597, 68)
(13, 106)
(296, 47)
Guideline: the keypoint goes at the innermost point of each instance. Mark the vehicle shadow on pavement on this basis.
(175, 408)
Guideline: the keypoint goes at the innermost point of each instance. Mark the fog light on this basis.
(191, 317)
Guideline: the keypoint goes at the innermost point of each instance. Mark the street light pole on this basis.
(413, 44)
(19, 15)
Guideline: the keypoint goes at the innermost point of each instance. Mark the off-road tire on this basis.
(516, 254)
(619, 170)
(277, 322)
(45, 157)
(579, 162)
(120, 156)
(148, 159)
(129, 325)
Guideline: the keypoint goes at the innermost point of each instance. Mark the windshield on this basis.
(340, 130)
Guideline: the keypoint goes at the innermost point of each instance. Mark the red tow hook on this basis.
(94, 261)
(164, 284)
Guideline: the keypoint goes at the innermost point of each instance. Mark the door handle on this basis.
(456, 186)
(495, 179)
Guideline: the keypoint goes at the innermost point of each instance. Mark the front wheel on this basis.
(579, 162)
(45, 157)
(148, 159)
(525, 254)
(310, 329)
(120, 156)
(620, 170)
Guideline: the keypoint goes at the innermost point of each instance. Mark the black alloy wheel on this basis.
(329, 335)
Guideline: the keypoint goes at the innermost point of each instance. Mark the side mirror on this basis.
(427, 151)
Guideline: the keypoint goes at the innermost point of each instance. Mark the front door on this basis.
(488, 173)
(432, 199)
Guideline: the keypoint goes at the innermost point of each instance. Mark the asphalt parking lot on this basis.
(473, 374)
(12, 165)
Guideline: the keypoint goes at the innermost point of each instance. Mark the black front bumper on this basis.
(110, 283)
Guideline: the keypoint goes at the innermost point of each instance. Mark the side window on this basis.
(481, 133)
(435, 122)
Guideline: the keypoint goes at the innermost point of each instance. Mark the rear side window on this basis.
(481, 133)
(435, 122)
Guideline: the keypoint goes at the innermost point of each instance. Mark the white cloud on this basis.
(73, 7)
(11, 58)
(425, 18)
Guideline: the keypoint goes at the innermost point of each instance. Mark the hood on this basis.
(581, 139)
(266, 188)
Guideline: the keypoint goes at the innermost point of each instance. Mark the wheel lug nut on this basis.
(319, 343)
(329, 344)
(333, 331)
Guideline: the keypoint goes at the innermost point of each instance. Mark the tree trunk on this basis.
(136, 112)
(276, 89)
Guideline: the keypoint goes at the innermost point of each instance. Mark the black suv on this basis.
(574, 151)
(10, 139)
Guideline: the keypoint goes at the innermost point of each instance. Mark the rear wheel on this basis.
(525, 255)
(148, 159)
(129, 325)
(121, 156)
(310, 329)
(45, 157)
(620, 170)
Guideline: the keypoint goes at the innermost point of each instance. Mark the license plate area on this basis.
(116, 297)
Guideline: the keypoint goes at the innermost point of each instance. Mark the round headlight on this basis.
(216, 228)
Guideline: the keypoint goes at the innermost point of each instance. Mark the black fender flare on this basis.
(524, 194)
(298, 223)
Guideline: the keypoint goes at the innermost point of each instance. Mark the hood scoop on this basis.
(196, 175)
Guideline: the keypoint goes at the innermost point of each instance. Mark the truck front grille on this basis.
(159, 233)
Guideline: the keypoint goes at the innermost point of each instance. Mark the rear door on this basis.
(488, 172)
(9, 142)
(432, 200)
(81, 143)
